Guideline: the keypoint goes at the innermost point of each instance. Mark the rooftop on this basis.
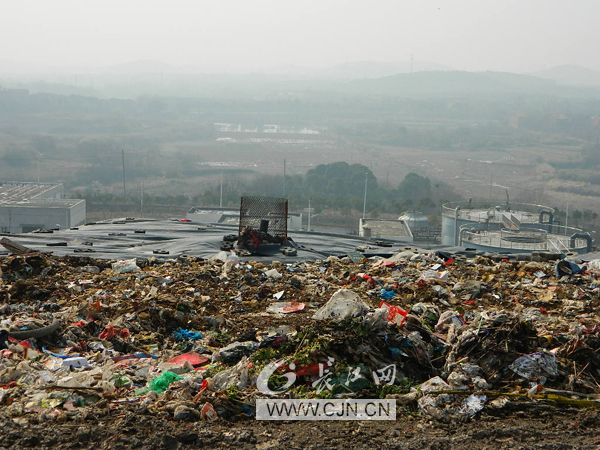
(14, 192)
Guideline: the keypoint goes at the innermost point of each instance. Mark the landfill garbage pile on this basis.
(190, 339)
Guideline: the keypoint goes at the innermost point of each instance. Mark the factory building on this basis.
(26, 207)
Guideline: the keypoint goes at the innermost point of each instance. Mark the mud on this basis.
(521, 426)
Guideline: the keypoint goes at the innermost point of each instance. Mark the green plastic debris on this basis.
(160, 383)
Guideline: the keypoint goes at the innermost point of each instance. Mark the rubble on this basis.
(188, 338)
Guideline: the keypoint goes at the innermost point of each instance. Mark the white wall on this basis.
(13, 217)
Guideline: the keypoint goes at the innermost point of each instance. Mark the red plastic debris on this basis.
(193, 358)
(108, 333)
(395, 314)
(25, 344)
(203, 386)
(311, 369)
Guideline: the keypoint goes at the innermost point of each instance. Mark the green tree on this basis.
(415, 187)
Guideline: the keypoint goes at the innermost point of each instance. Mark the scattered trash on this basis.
(125, 266)
(208, 413)
(235, 351)
(235, 376)
(78, 361)
(274, 274)
(193, 358)
(285, 307)
(342, 304)
(186, 335)
(162, 382)
(187, 338)
(540, 365)
(395, 314)
(566, 267)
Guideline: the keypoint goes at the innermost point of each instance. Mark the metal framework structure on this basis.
(266, 214)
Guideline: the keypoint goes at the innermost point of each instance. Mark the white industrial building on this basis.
(25, 207)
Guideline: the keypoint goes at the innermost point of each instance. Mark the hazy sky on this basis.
(510, 35)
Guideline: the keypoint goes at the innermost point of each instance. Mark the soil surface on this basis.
(519, 426)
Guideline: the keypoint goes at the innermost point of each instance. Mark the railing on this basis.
(488, 211)
(494, 239)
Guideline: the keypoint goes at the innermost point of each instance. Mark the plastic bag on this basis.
(273, 274)
(541, 365)
(125, 266)
(395, 314)
(161, 383)
(186, 335)
(235, 376)
(235, 351)
(435, 384)
(221, 256)
(472, 405)
(342, 304)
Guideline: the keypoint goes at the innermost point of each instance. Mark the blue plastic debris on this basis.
(58, 355)
(566, 267)
(387, 295)
(187, 335)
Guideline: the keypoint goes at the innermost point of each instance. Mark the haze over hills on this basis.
(571, 74)
(366, 78)
(346, 71)
(466, 83)
(376, 69)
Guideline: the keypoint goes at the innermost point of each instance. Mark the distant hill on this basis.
(141, 67)
(571, 74)
(456, 83)
(375, 69)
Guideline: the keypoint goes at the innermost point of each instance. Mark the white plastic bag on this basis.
(125, 266)
(235, 376)
(342, 304)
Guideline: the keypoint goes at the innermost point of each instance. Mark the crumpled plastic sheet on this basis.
(540, 365)
(186, 335)
(343, 303)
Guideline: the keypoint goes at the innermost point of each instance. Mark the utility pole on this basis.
(123, 154)
(284, 164)
(142, 199)
(38, 164)
(365, 201)
(309, 210)
(221, 198)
